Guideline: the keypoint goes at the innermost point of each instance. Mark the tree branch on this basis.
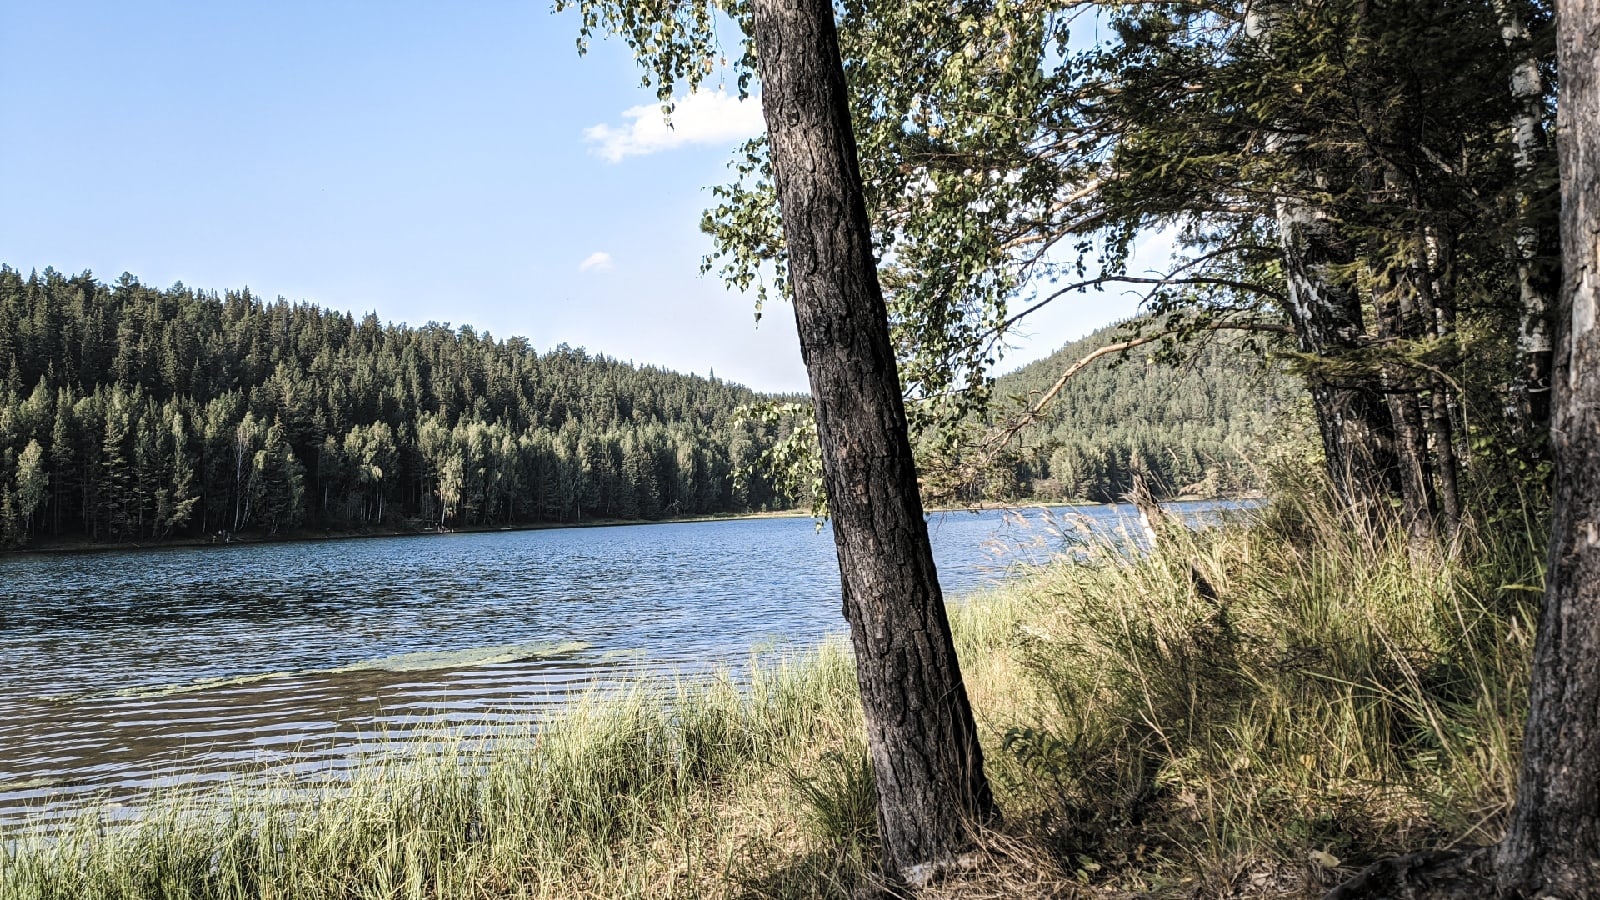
(1004, 436)
(1127, 279)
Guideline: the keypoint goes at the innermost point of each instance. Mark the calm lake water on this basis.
(122, 671)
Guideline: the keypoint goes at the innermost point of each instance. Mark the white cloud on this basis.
(596, 262)
(700, 118)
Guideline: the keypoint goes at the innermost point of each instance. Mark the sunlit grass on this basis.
(1328, 700)
(1336, 700)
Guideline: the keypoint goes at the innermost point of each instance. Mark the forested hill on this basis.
(1198, 426)
(132, 413)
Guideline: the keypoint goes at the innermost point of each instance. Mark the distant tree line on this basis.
(132, 413)
(1201, 424)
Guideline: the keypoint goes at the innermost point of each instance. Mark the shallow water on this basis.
(123, 671)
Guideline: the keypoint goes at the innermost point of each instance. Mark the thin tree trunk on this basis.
(1552, 848)
(1447, 464)
(1397, 319)
(1411, 446)
(1438, 308)
(1533, 242)
(920, 731)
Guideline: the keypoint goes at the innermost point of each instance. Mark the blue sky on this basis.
(432, 162)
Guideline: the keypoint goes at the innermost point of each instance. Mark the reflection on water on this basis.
(124, 671)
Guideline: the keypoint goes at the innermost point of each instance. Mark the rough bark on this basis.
(1552, 847)
(1437, 306)
(1325, 311)
(1416, 486)
(920, 730)
(1446, 462)
(1353, 420)
(1397, 319)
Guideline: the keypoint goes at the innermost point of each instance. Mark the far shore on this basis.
(247, 539)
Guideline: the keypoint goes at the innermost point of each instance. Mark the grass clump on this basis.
(1256, 711)
(1251, 711)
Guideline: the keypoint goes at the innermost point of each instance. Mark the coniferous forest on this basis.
(129, 413)
(1202, 425)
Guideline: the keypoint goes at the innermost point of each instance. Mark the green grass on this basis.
(1337, 701)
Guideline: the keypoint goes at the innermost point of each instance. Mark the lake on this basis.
(123, 671)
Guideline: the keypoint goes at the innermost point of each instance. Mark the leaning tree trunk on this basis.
(920, 730)
(1552, 848)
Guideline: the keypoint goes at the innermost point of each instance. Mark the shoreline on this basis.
(617, 784)
(251, 540)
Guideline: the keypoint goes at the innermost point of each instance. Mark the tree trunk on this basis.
(1325, 312)
(1437, 303)
(1397, 319)
(1532, 244)
(1357, 433)
(1552, 848)
(920, 731)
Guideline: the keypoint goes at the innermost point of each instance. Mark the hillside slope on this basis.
(1198, 425)
(133, 413)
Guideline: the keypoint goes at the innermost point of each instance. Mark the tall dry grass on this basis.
(1255, 711)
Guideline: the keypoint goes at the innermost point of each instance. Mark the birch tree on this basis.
(1343, 168)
